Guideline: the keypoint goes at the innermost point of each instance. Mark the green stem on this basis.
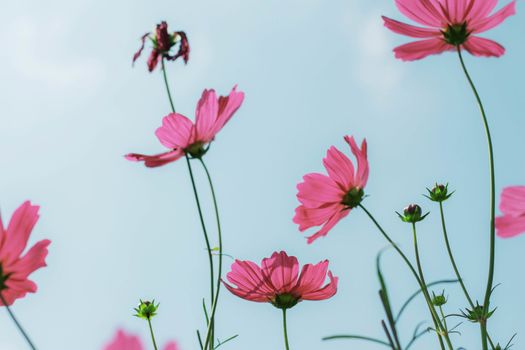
(285, 328)
(444, 318)
(206, 237)
(435, 318)
(211, 326)
(442, 329)
(152, 334)
(167, 85)
(18, 325)
(490, 279)
(452, 260)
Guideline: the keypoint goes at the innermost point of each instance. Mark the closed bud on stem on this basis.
(146, 310)
(439, 300)
(439, 193)
(412, 214)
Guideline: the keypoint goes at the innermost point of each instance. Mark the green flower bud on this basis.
(439, 300)
(439, 193)
(477, 314)
(412, 214)
(146, 310)
(285, 301)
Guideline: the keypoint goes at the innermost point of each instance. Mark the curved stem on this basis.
(167, 85)
(211, 326)
(18, 325)
(206, 238)
(152, 335)
(285, 328)
(490, 279)
(442, 329)
(435, 318)
(452, 260)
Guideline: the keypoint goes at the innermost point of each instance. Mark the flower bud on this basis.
(146, 310)
(439, 193)
(439, 300)
(412, 214)
(477, 314)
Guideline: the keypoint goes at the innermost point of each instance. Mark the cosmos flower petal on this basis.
(512, 201)
(477, 46)
(410, 30)
(361, 177)
(206, 115)
(228, 105)
(484, 24)
(282, 271)
(421, 11)
(339, 168)
(326, 292)
(157, 159)
(317, 190)
(328, 225)
(420, 49)
(481, 9)
(22, 223)
(309, 217)
(176, 131)
(124, 341)
(312, 277)
(508, 226)
(34, 259)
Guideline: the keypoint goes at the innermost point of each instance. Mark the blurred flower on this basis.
(512, 205)
(278, 281)
(448, 25)
(15, 268)
(123, 341)
(163, 42)
(182, 136)
(327, 199)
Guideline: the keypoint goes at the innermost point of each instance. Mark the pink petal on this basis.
(483, 47)
(318, 190)
(138, 53)
(328, 225)
(176, 131)
(18, 231)
(422, 11)
(512, 201)
(282, 270)
(509, 226)
(227, 108)
(312, 278)
(171, 346)
(309, 217)
(154, 59)
(362, 161)
(156, 160)
(123, 341)
(481, 9)
(410, 30)
(420, 49)
(34, 259)
(339, 168)
(456, 10)
(206, 116)
(326, 292)
(250, 282)
(484, 24)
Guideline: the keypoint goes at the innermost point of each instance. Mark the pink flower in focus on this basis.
(15, 268)
(123, 341)
(448, 24)
(162, 44)
(278, 281)
(182, 136)
(512, 205)
(327, 199)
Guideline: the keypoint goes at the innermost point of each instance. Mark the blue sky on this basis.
(71, 106)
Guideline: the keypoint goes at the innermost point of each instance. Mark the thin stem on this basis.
(152, 334)
(435, 318)
(285, 328)
(444, 318)
(18, 325)
(452, 260)
(211, 326)
(441, 329)
(167, 85)
(490, 279)
(206, 238)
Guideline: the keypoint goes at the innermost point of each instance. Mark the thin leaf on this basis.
(358, 337)
(390, 342)
(227, 340)
(200, 340)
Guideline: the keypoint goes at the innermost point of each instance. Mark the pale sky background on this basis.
(71, 106)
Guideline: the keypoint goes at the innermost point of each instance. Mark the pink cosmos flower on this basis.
(124, 341)
(512, 205)
(448, 24)
(182, 136)
(16, 267)
(327, 199)
(278, 281)
(162, 44)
